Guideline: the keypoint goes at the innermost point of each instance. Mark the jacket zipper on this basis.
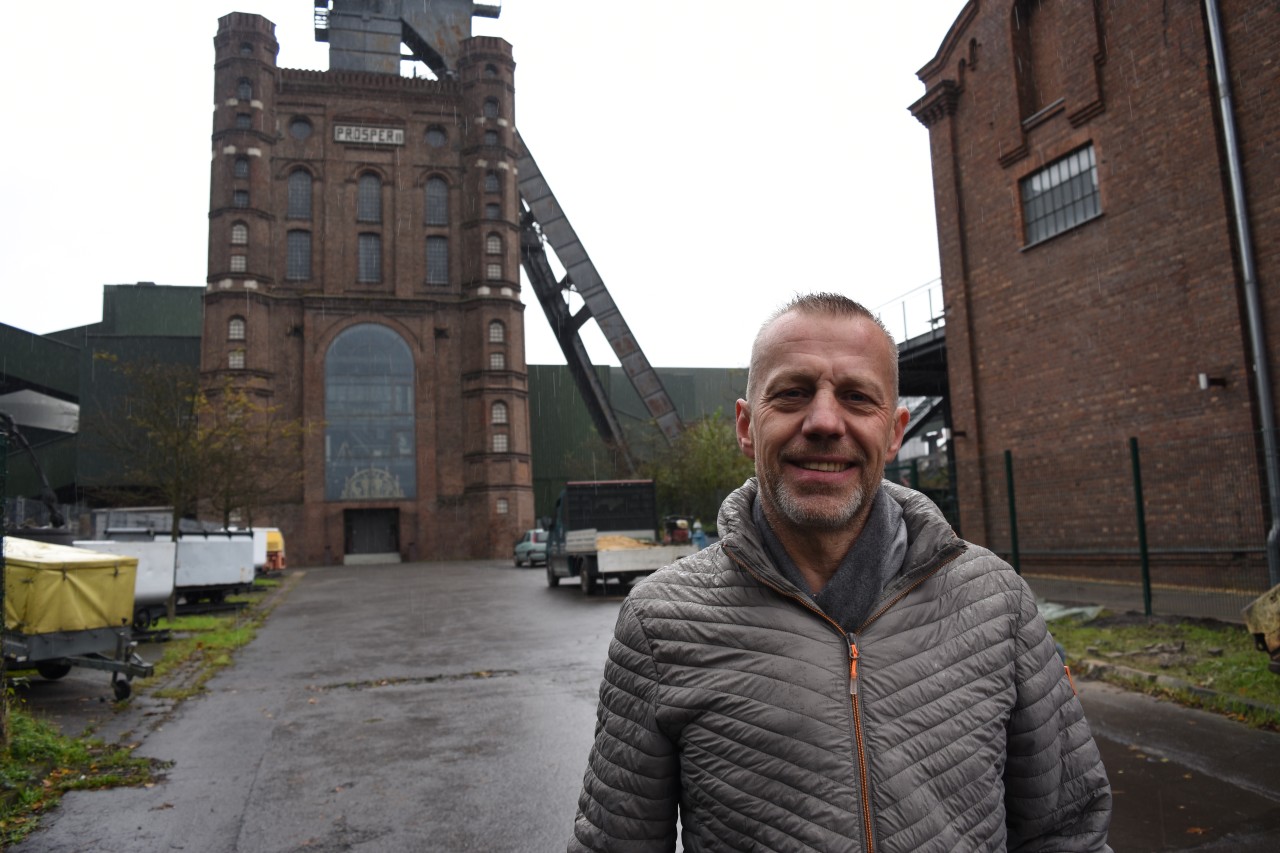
(864, 792)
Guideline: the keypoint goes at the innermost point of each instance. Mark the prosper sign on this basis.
(368, 135)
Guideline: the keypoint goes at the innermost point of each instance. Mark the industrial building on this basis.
(1107, 194)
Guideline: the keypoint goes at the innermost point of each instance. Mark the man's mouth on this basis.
(828, 467)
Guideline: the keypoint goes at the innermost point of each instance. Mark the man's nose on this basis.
(823, 419)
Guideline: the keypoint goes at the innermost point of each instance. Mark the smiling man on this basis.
(840, 672)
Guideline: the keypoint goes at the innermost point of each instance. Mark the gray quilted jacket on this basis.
(945, 723)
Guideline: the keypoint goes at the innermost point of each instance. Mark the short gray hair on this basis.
(826, 304)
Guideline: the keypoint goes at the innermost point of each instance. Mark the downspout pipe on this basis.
(1253, 305)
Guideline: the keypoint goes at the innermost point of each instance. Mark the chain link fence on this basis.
(1169, 528)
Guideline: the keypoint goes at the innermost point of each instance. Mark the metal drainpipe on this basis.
(1253, 308)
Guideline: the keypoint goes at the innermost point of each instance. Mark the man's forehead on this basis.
(800, 344)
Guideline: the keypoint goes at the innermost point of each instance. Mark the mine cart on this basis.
(66, 607)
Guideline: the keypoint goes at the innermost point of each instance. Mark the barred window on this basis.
(239, 234)
(298, 255)
(493, 245)
(242, 167)
(1060, 196)
(299, 195)
(244, 89)
(497, 332)
(437, 202)
(499, 442)
(235, 359)
(437, 260)
(243, 121)
(491, 184)
(490, 107)
(493, 272)
(369, 199)
(369, 249)
(240, 198)
(498, 413)
(238, 263)
(497, 361)
(235, 329)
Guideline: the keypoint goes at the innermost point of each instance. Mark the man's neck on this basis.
(816, 553)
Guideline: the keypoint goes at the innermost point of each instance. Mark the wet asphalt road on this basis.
(449, 707)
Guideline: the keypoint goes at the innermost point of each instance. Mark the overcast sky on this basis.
(714, 156)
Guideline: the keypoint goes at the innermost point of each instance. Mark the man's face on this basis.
(823, 420)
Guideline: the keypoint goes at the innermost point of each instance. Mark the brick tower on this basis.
(364, 278)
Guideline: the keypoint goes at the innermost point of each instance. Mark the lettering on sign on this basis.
(368, 135)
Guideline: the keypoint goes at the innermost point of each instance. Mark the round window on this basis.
(300, 128)
(435, 137)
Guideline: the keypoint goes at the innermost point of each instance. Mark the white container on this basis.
(155, 566)
(215, 560)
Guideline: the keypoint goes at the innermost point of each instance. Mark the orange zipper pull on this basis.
(853, 668)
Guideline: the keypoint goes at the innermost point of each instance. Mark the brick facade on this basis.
(1062, 349)
(464, 332)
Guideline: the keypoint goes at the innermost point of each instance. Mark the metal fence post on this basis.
(1016, 559)
(1142, 526)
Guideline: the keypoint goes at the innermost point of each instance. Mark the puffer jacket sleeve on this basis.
(1056, 792)
(631, 790)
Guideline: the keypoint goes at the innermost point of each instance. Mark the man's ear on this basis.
(900, 417)
(742, 423)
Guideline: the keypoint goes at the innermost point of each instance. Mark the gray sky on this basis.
(714, 157)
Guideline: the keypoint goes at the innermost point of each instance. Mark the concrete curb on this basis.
(1098, 670)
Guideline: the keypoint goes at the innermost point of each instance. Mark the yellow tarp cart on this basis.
(66, 607)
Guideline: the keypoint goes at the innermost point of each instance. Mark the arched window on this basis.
(490, 107)
(498, 413)
(497, 332)
(369, 260)
(500, 442)
(239, 234)
(493, 245)
(297, 251)
(437, 202)
(437, 260)
(245, 48)
(242, 167)
(369, 199)
(497, 361)
(491, 70)
(491, 184)
(235, 329)
(299, 194)
(369, 444)
(244, 89)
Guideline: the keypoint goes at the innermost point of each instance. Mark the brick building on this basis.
(1095, 283)
(364, 275)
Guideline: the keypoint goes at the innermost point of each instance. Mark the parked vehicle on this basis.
(66, 607)
(531, 550)
(207, 565)
(155, 574)
(268, 550)
(605, 531)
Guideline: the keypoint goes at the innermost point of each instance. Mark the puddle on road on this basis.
(374, 683)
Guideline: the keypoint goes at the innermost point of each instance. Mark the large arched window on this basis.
(369, 416)
(299, 194)
(369, 199)
(437, 202)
